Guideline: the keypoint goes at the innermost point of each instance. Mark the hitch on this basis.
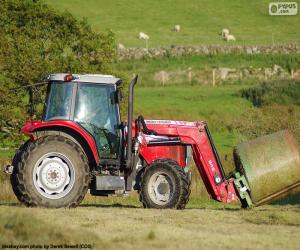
(8, 169)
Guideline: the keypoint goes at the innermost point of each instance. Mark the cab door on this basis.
(98, 113)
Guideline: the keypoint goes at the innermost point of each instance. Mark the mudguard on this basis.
(32, 128)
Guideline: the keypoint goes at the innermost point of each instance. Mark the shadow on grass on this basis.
(119, 205)
(291, 200)
(215, 208)
(10, 204)
(115, 205)
(189, 207)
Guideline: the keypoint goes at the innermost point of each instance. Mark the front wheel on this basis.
(164, 184)
(51, 172)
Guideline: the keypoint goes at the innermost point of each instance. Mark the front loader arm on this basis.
(196, 134)
(207, 162)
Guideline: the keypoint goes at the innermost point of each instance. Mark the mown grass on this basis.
(120, 227)
(19, 225)
(201, 21)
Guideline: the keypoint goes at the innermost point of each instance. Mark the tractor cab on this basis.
(91, 102)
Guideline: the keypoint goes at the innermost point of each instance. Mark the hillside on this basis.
(200, 21)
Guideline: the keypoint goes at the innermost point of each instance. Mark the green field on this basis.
(200, 21)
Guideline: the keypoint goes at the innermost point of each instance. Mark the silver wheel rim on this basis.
(53, 175)
(160, 188)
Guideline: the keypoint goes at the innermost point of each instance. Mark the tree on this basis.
(35, 40)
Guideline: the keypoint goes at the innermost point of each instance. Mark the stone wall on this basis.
(173, 51)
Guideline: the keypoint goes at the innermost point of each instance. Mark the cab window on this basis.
(58, 104)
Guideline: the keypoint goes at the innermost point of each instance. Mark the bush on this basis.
(280, 92)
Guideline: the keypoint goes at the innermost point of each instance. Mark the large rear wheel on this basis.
(164, 184)
(52, 172)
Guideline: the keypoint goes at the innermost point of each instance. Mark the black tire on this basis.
(178, 183)
(24, 183)
(15, 162)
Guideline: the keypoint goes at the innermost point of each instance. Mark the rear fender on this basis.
(69, 129)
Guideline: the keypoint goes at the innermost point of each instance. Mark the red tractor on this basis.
(81, 144)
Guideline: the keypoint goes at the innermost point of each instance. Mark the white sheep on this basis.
(143, 36)
(177, 28)
(225, 32)
(229, 38)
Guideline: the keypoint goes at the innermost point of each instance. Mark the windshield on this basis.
(58, 105)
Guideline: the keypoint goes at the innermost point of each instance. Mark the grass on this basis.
(112, 227)
(194, 102)
(6, 153)
(14, 229)
(201, 21)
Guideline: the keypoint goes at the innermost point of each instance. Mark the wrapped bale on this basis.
(271, 165)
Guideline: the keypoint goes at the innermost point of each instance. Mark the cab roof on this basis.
(91, 78)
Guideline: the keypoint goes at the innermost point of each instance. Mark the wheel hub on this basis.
(160, 188)
(53, 175)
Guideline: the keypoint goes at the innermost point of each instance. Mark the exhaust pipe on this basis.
(129, 120)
